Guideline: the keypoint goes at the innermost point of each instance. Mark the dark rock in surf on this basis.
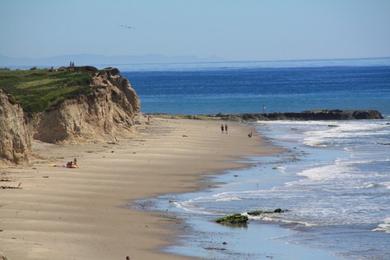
(335, 114)
(262, 212)
(233, 220)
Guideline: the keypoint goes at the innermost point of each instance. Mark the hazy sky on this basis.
(230, 29)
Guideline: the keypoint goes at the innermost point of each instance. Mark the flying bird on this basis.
(127, 26)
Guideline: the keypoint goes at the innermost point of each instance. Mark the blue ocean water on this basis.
(334, 178)
(235, 90)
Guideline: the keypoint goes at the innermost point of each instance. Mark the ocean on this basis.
(249, 89)
(333, 178)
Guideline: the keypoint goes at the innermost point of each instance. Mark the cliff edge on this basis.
(15, 143)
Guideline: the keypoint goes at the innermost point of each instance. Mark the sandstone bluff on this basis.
(108, 110)
(15, 143)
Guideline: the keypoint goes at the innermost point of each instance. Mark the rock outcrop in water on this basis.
(305, 115)
(15, 143)
(264, 212)
(107, 112)
(233, 220)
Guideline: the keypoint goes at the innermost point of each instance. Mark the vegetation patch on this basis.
(38, 89)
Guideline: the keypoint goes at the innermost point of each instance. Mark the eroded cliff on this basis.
(15, 142)
(107, 112)
(103, 108)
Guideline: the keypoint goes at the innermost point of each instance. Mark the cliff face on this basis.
(15, 141)
(107, 112)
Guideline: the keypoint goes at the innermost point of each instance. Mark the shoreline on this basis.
(62, 213)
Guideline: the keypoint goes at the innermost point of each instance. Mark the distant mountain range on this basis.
(98, 60)
(158, 62)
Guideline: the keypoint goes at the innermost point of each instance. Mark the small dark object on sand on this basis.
(127, 257)
(184, 135)
(12, 187)
(233, 220)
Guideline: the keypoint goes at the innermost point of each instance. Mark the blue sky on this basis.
(229, 29)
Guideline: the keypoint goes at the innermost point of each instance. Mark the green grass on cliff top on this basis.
(36, 90)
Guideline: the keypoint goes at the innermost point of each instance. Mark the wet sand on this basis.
(86, 213)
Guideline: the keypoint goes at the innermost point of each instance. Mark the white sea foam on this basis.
(373, 185)
(276, 218)
(386, 184)
(341, 169)
(225, 196)
(326, 172)
(290, 122)
(320, 138)
(188, 207)
(228, 199)
(384, 227)
(369, 185)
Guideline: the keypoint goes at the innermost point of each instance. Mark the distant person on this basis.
(226, 128)
(69, 164)
(250, 134)
(72, 164)
(222, 128)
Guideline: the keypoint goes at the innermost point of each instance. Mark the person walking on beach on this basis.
(226, 128)
(222, 128)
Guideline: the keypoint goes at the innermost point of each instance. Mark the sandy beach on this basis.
(86, 213)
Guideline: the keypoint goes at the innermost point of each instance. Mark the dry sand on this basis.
(84, 213)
